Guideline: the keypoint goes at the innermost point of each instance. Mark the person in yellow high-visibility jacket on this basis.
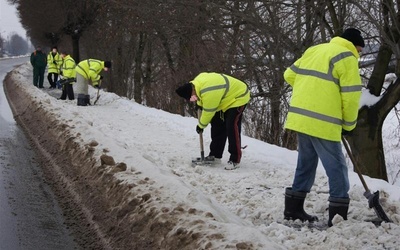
(54, 62)
(69, 76)
(88, 72)
(223, 99)
(324, 105)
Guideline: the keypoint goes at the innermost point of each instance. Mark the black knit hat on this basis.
(107, 64)
(353, 35)
(185, 91)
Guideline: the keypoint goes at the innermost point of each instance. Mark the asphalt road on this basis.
(30, 217)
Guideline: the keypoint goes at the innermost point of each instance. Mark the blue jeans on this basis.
(310, 149)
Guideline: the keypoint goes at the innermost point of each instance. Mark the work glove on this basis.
(69, 80)
(54, 62)
(347, 133)
(199, 130)
(97, 86)
(101, 77)
(198, 107)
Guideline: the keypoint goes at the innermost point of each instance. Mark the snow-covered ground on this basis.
(247, 204)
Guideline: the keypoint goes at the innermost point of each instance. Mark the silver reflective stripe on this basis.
(204, 125)
(227, 86)
(210, 110)
(224, 86)
(212, 88)
(349, 123)
(71, 64)
(326, 76)
(350, 89)
(87, 77)
(245, 93)
(315, 115)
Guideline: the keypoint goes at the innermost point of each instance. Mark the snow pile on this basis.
(205, 207)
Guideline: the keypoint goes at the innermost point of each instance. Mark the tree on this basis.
(17, 45)
(366, 143)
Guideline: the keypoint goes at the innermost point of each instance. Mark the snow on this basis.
(247, 203)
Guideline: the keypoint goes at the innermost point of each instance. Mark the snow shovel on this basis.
(373, 199)
(98, 94)
(201, 161)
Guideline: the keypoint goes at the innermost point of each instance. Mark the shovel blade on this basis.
(201, 162)
(373, 202)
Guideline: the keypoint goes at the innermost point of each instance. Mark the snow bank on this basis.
(127, 169)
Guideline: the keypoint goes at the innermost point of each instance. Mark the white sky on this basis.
(9, 20)
(247, 204)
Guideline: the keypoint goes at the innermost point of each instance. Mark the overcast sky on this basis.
(9, 21)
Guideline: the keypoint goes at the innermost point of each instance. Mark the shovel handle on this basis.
(346, 146)
(201, 137)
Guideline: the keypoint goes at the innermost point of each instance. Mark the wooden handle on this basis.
(354, 163)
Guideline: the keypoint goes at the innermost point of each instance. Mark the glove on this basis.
(63, 81)
(347, 133)
(69, 80)
(101, 77)
(198, 107)
(97, 86)
(199, 130)
(54, 62)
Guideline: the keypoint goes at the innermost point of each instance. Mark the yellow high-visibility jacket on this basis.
(217, 92)
(51, 66)
(90, 69)
(68, 67)
(326, 90)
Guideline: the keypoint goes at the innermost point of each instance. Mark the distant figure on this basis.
(88, 72)
(69, 76)
(54, 62)
(38, 61)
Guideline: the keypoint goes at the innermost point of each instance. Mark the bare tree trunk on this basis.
(137, 75)
(75, 48)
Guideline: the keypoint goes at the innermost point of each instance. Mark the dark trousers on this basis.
(52, 77)
(227, 125)
(38, 76)
(67, 90)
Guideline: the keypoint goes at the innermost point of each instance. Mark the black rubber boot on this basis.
(338, 206)
(87, 98)
(82, 100)
(294, 206)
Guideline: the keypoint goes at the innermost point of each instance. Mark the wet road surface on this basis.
(30, 217)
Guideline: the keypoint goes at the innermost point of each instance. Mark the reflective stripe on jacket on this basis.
(90, 69)
(326, 90)
(217, 92)
(51, 66)
(68, 67)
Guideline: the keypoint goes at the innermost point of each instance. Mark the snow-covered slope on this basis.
(152, 194)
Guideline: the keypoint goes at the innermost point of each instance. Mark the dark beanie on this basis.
(185, 91)
(107, 64)
(354, 36)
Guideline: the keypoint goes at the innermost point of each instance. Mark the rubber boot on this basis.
(87, 98)
(294, 206)
(82, 100)
(338, 206)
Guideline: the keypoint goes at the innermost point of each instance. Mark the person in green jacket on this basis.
(69, 76)
(54, 62)
(324, 105)
(223, 99)
(88, 72)
(38, 61)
